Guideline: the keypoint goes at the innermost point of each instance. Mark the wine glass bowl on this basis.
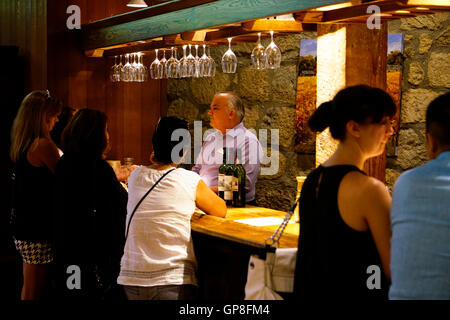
(173, 65)
(156, 69)
(273, 54)
(259, 55)
(229, 60)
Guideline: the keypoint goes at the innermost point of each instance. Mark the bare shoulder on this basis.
(363, 189)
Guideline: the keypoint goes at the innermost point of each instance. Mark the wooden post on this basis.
(349, 54)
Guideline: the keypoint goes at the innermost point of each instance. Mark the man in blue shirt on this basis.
(420, 217)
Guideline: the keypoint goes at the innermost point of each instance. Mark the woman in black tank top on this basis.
(343, 248)
(35, 156)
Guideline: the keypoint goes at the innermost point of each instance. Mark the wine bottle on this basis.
(221, 177)
(240, 177)
(228, 178)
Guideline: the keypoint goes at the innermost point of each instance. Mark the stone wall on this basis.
(269, 97)
(426, 75)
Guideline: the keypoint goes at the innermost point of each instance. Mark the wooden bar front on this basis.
(223, 248)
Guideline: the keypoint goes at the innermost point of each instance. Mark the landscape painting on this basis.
(305, 139)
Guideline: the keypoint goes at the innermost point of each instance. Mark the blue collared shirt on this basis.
(211, 156)
(420, 222)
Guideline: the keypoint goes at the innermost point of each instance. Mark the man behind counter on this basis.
(226, 115)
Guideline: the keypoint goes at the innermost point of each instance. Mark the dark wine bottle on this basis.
(228, 178)
(240, 177)
(221, 177)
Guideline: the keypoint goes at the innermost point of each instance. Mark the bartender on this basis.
(226, 115)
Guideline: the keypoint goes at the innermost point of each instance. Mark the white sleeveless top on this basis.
(159, 248)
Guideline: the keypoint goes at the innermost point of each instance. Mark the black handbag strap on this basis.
(142, 199)
(273, 241)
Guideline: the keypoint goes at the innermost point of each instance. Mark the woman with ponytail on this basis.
(345, 232)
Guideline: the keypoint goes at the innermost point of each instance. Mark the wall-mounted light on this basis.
(137, 4)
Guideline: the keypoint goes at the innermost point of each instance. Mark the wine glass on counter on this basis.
(273, 54)
(259, 55)
(156, 70)
(229, 60)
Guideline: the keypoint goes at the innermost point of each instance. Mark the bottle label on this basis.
(228, 187)
(235, 184)
(220, 182)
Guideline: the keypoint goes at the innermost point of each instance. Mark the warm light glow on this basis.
(402, 11)
(444, 3)
(421, 8)
(334, 6)
(137, 4)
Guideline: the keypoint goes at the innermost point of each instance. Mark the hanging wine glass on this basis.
(134, 65)
(259, 55)
(142, 74)
(172, 65)
(273, 54)
(229, 60)
(183, 64)
(126, 73)
(164, 65)
(156, 70)
(113, 71)
(190, 63)
(197, 63)
(212, 65)
(204, 64)
(119, 69)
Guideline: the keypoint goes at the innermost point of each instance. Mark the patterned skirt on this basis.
(34, 252)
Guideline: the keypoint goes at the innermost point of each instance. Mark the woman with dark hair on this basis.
(344, 240)
(159, 261)
(90, 210)
(35, 156)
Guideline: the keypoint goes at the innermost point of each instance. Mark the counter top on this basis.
(227, 228)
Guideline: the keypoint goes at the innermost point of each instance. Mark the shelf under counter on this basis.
(229, 229)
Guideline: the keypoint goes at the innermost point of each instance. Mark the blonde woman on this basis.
(35, 156)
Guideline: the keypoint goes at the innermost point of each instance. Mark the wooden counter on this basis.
(223, 248)
(226, 228)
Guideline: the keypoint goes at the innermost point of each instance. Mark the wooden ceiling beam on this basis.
(182, 16)
(226, 33)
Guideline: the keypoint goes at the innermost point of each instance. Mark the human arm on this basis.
(377, 216)
(209, 202)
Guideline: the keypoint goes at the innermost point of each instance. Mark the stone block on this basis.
(411, 151)
(280, 160)
(204, 89)
(439, 69)
(251, 116)
(425, 43)
(416, 74)
(183, 109)
(415, 103)
(284, 84)
(254, 84)
(391, 177)
(444, 38)
(431, 22)
(283, 120)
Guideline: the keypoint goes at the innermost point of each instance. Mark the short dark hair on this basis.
(63, 120)
(162, 138)
(438, 119)
(360, 103)
(86, 134)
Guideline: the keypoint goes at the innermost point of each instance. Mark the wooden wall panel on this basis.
(23, 24)
(81, 82)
